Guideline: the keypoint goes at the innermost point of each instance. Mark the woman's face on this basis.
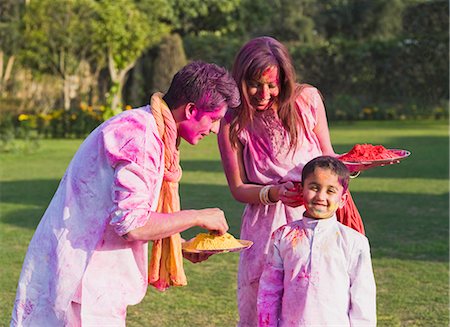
(263, 92)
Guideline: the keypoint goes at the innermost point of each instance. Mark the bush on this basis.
(31, 127)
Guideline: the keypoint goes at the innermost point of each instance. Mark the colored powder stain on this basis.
(334, 206)
(204, 241)
(295, 235)
(271, 73)
(264, 319)
(361, 152)
(304, 275)
(319, 214)
(26, 307)
(308, 277)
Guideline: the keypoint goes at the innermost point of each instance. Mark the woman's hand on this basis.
(289, 193)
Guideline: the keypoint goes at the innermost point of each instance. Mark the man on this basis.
(87, 260)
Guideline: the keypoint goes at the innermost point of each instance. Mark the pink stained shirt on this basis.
(77, 253)
(318, 273)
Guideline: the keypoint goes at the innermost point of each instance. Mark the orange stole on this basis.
(166, 263)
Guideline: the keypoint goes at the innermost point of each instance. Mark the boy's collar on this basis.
(312, 222)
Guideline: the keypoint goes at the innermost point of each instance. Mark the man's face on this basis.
(323, 194)
(201, 123)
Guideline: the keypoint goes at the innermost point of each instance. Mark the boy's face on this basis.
(322, 194)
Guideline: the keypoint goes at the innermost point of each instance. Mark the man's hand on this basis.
(212, 219)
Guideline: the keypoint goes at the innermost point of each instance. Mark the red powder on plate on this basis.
(367, 152)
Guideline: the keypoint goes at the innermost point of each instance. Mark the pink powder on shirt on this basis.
(295, 235)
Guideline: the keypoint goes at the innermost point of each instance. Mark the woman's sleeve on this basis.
(135, 154)
(271, 287)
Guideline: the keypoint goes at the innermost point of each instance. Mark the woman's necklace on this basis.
(274, 130)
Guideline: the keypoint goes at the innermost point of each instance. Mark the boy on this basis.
(318, 271)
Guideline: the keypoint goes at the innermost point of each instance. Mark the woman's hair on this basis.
(326, 162)
(254, 57)
(206, 85)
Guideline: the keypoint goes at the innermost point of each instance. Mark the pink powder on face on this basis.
(271, 74)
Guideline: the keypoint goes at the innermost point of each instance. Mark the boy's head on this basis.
(324, 184)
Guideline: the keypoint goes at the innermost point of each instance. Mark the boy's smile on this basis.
(323, 194)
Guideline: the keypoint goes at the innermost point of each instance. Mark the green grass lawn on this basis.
(404, 207)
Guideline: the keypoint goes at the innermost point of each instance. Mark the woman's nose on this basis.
(264, 91)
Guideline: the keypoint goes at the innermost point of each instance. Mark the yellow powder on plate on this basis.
(204, 241)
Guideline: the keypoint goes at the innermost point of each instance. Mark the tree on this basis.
(11, 29)
(196, 16)
(293, 20)
(169, 60)
(360, 20)
(124, 31)
(58, 39)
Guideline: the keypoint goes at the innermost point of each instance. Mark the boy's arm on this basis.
(362, 289)
(270, 292)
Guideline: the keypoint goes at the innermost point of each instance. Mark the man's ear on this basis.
(190, 110)
(343, 199)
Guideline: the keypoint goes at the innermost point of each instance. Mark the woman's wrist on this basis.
(265, 197)
(274, 194)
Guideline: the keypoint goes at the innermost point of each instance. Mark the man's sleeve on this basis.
(135, 154)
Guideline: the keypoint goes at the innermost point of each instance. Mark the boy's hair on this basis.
(206, 85)
(331, 163)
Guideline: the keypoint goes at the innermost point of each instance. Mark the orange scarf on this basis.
(166, 264)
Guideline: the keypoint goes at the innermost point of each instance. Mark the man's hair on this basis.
(206, 85)
(327, 162)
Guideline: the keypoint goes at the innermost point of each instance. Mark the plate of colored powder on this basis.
(365, 156)
(210, 243)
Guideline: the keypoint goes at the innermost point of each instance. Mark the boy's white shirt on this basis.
(318, 272)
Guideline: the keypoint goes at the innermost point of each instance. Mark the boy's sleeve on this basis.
(362, 288)
(270, 292)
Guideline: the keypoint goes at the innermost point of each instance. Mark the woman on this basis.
(264, 144)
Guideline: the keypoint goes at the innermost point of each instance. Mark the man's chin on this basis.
(194, 141)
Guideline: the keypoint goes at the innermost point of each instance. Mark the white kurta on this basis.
(318, 273)
(77, 253)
